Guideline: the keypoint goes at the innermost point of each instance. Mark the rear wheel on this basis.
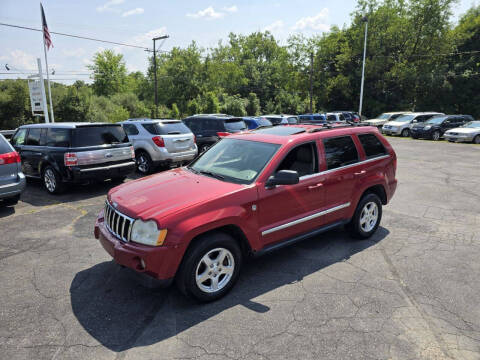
(210, 268)
(476, 139)
(436, 135)
(405, 132)
(52, 180)
(144, 163)
(367, 217)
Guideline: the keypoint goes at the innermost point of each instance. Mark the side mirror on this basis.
(283, 177)
(414, 121)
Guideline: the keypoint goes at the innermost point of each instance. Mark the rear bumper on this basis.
(163, 156)
(103, 172)
(13, 189)
(391, 132)
(161, 262)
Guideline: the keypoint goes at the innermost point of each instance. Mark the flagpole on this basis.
(48, 74)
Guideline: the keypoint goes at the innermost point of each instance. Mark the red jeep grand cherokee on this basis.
(248, 194)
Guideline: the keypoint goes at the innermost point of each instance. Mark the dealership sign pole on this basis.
(38, 98)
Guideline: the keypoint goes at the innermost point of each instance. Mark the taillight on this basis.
(222, 134)
(158, 140)
(70, 159)
(132, 152)
(10, 158)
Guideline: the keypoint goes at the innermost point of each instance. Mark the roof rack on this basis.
(330, 127)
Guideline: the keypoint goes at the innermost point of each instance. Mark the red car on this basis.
(247, 195)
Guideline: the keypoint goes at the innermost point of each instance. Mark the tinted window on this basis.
(263, 122)
(19, 138)
(275, 120)
(33, 137)
(99, 135)
(340, 151)
(58, 137)
(235, 125)
(4, 146)
(292, 120)
(302, 159)
(372, 146)
(331, 118)
(167, 128)
(130, 129)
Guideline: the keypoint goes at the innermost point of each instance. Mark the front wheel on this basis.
(476, 139)
(52, 180)
(210, 268)
(367, 217)
(405, 132)
(436, 135)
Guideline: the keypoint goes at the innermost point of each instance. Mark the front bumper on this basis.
(458, 138)
(161, 262)
(396, 131)
(103, 172)
(13, 189)
(424, 134)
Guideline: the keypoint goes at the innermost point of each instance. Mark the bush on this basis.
(253, 105)
(130, 102)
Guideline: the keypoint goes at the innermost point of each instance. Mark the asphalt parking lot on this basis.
(410, 292)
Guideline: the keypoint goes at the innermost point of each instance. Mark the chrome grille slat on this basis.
(117, 223)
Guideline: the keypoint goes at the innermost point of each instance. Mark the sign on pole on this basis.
(36, 98)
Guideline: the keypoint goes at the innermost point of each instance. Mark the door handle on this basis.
(311, 187)
(361, 172)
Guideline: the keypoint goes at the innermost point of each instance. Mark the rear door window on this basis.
(33, 137)
(19, 138)
(340, 151)
(58, 137)
(99, 135)
(372, 146)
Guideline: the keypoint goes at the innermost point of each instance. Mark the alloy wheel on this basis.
(142, 164)
(405, 132)
(49, 180)
(369, 216)
(436, 135)
(476, 140)
(215, 270)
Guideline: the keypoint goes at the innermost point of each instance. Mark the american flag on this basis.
(46, 33)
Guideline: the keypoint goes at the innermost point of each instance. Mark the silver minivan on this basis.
(160, 142)
(12, 180)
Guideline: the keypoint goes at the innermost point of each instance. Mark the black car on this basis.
(438, 125)
(59, 153)
(210, 128)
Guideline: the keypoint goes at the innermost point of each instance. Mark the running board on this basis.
(299, 238)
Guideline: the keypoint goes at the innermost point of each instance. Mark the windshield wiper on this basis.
(211, 174)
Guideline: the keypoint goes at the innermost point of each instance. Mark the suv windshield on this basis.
(235, 125)
(234, 160)
(167, 128)
(404, 118)
(472, 124)
(98, 135)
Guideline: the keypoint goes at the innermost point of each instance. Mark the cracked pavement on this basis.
(410, 292)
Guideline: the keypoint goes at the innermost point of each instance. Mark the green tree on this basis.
(109, 73)
(175, 113)
(212, 105)
(253, 105)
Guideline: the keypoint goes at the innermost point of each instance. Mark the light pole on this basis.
(365, 20)
(155, 70)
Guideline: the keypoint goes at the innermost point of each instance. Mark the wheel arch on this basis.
(378, 190)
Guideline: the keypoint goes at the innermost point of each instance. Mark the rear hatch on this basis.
(9, 167)
(175, 134)
(100, 145)
(235, 125)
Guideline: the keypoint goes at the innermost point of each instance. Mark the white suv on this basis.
(160, 142)
(402, 124)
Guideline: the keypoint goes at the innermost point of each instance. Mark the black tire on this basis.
(118, 179)
(193, 262)
(476, 139)
(11, 201)
(436, 135)
(144, 163)
(355, 226)
(52, 180)
(405, 133)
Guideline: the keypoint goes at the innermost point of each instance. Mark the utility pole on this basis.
(155, 70)
(311, 83)
(365, 20)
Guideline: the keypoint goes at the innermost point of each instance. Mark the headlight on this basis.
(393, 128)
(428, 127)
(146, 232)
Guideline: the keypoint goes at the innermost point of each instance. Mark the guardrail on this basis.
(7, 133)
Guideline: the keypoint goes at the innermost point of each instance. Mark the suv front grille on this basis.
(118, 224)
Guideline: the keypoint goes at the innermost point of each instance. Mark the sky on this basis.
(138, 21)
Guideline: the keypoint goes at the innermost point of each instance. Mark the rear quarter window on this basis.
(340, 151)
(372, 146)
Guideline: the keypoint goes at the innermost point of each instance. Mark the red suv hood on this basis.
(166, 193)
